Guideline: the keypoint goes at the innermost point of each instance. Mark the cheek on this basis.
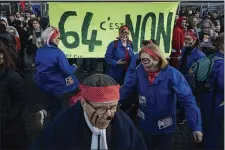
(103, 119)
(154, 63)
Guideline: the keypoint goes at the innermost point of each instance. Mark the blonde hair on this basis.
(163, 63)
(45, 37)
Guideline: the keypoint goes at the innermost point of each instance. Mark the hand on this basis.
(121, 62)
(197, 136)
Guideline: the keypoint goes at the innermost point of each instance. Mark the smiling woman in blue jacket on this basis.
(118, 55)
(54, 75)
(158, 84)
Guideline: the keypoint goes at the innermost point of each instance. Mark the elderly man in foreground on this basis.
(95, 122)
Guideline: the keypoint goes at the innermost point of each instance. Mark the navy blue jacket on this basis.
(70, 131)
(53, 71)
(117, 72)
(157, 102)
(211, 106)
(132, 66)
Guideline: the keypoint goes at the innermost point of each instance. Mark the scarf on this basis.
(95, 133)
(127, 58)
(152, 76)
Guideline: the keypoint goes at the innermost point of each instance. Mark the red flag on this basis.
(23, 4)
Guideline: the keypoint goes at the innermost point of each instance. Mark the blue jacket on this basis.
(53, 71)
(133, 63)
(157, 108)
(132, 66)
(195, 55)
(70, 131)
(210, 106)
(117, 72)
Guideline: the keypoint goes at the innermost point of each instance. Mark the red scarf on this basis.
(127, 58)
(152, 76)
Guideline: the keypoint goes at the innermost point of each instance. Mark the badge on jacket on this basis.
(165, 122)
(142, 100)
(69, 81)
(141, 114)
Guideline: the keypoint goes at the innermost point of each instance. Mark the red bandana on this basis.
(100, 94)
(152, 76)
(54, 34)
(96, 94)
(151, 53)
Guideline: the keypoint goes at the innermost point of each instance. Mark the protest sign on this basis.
(87, 28)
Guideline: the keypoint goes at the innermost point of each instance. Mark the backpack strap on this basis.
(197, 70)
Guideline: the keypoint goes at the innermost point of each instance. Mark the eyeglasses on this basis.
(145, 60)
(103, 110)
(124, 32)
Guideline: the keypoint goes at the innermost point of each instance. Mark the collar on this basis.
(121, 45)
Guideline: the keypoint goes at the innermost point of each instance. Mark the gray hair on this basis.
(45, 37)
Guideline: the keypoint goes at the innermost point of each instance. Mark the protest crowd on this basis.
(136, 102)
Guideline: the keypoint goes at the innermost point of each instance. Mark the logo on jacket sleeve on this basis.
(69, 81)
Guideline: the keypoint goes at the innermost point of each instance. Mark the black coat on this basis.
(12, 102)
